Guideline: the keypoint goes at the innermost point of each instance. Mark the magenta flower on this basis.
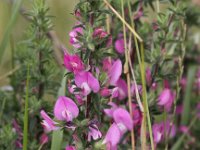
(70, 148)
(121, 91)
(94, 133)
(112, 137)
(48, 124)
(74, 36)
(166, 99)
(87, 82)
(65, 109)
(119, 45)
(73, 63)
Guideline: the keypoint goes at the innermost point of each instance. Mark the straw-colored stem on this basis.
(123, 21)
(126, 71)
(158, 6)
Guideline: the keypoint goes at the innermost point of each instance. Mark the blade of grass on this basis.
(187, 97)
(144, 96)
(177, 145)
(2, 108)
(9, 27)
(25, 131)
(58, 135)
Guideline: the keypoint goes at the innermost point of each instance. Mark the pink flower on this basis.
(107, 64)
(123, 119)
(74, 36)
(48, 124)
(115, 72)
(100, 33)
(65, 109)
(159, 130)
(121, 91)
(109, 111)
(87, 82)
(44, 139)
(70, 148)
(166, 99)
(137, 115)
(133, 88)
(94, 133)
(105, 92)
(73, 63)
(122, 123)
(112, 137)
(119, 45)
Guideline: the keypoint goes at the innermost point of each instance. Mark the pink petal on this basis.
(86, 77)
(109, 111)
(119, 46)
(70, 148)
(123, 91)
(115, 72)
(65, 109)
(48, 123)
(113, 136)
(94, 133)
(121, 116)
(93, 83)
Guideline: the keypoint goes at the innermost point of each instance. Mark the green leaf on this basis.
(58, 135)
(57, 140)
(8, 30)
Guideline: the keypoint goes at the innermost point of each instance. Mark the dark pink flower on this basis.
(166, 99)
(107, 64)
(74, 36)
(87, 82)
(65, 109)
(70, 148)
(101, 33)
(48, 124)
(105, 92)
(73, 63)
(94, 133)
(137, 115)
(44, 139)
(119, 45)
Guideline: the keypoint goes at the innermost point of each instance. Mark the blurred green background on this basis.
(62, 20)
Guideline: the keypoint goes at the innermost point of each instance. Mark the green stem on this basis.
(144, 95)
(25, 132)
(158, 6)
